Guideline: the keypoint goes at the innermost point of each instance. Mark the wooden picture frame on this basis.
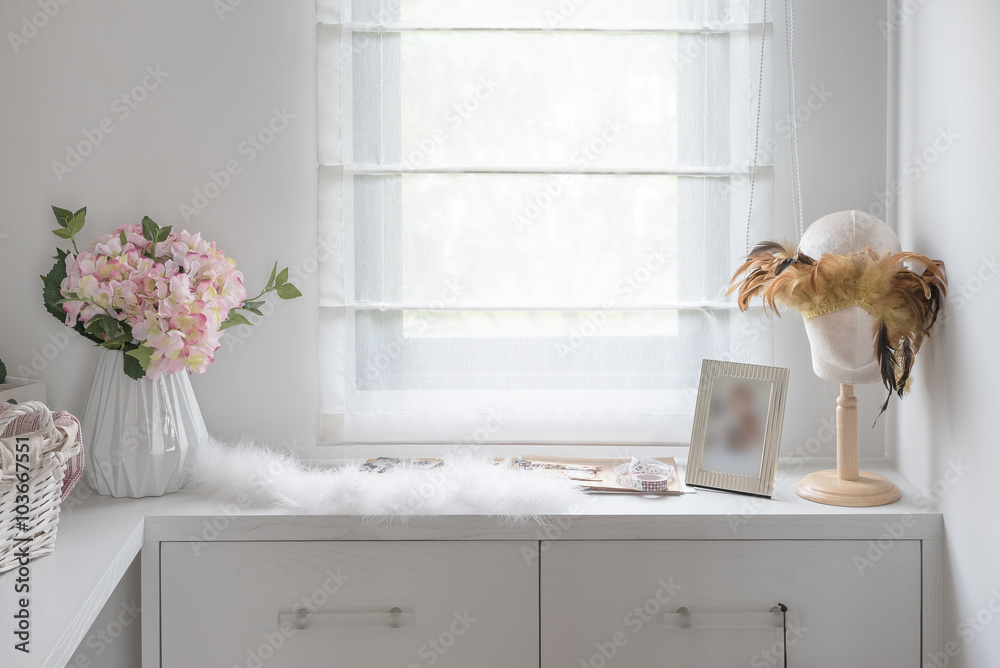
(737, 427)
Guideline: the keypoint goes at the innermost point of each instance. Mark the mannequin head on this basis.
(868, 307)
(842, 341)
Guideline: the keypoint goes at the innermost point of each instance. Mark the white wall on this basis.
(946, 432)
(839, 49)
(225, 76)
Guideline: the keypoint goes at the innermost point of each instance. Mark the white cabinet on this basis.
(518, 603)
(369, 604)
(603, 603)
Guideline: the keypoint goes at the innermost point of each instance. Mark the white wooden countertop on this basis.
(100, 536)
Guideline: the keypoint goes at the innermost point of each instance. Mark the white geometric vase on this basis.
(140, 435)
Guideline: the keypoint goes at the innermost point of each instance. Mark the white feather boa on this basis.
(471, 485)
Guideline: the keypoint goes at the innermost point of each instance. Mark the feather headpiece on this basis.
(904, 301)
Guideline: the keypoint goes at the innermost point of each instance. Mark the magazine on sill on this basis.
(387, 464)
(657, 475)
(630, 476)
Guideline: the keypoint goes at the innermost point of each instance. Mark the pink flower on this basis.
(174, 302)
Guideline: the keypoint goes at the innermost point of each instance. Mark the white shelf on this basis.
(95, 544)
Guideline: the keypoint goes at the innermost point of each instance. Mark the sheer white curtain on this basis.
(528, 212)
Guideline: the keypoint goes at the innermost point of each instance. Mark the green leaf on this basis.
(142, 353)
(62, 215)
(94, 328)
(3, 373)
(149, 228)
(118, 342)
(255, 311)
(270, 281)
(50, 286)
(62, 233)
(132, 368)
(76, 223)
(288, 291)
(110, 326)
(282, 277)
(94, 334)
(235, 319)
(252, 305)
(51, 295)
(103, 328)
(163, 233)
(122, 238)
(136, 361)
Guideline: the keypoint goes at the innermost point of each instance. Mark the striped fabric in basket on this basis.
(39, 464)
(27, 423)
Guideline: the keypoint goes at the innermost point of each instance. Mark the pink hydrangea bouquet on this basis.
(163, 298)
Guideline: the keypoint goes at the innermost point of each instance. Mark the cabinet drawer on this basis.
(459, 604)
(603, 603)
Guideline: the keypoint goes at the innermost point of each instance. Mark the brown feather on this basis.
(905, 366)
(887, 363)
(907, 303)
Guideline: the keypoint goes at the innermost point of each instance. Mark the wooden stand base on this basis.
(847, 486)
(870, 489)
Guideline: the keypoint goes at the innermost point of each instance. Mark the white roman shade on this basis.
(528, 212)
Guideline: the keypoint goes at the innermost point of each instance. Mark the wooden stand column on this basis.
(847, 486)
(847, 434)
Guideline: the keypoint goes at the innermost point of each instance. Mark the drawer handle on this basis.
(685, 619)
(303, 618)
(777, 619)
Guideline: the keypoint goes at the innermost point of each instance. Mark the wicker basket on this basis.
(32, 466)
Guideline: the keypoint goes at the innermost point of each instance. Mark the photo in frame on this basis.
(737, 427)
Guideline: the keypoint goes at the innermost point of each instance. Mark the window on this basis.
(529, 210)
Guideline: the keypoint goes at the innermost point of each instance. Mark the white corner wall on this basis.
(224, 68)
(945, 435)
(840, 71)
